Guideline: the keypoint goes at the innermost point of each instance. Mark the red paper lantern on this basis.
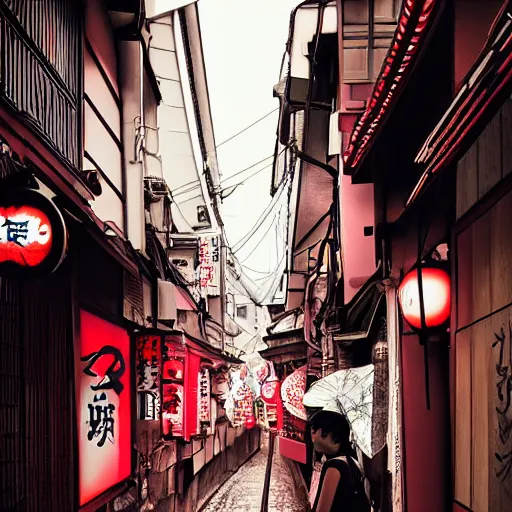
(436, 297)
(250, 422)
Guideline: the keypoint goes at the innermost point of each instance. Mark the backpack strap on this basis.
(353, 463)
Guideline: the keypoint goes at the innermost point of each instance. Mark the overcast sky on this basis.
(243, 43)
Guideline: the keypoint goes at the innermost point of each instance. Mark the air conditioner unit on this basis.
(155, 187)
(166, 301)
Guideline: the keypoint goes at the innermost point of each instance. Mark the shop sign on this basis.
(204, 397)
(173, 395)
(209, 263)
(33, 237)
(104, 406)
(148, 362)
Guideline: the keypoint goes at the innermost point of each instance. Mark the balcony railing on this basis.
(40, 69)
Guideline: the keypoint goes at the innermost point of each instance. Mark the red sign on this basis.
(173, 405)
(104, 406)
(33, 236)
(173, 409)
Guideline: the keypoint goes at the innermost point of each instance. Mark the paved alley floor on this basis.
(242, 492)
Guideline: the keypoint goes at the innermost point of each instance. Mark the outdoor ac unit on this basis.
(156, 187)
(166, 301)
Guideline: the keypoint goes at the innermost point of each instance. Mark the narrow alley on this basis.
(243, 491)
(235, 229)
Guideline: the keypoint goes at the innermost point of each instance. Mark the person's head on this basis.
(330, 432)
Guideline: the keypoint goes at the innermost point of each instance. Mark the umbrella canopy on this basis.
(349, 392)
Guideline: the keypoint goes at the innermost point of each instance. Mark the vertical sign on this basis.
(204, 397)
(104, 403)
(148, 360)
(173, 396)
(209, 263)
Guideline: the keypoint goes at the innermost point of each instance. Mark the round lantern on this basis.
(436, 297)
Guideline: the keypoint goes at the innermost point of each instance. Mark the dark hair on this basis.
(332, 423)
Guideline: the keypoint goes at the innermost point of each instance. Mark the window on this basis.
(241, 311)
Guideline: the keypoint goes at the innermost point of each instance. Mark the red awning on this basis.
(482, 92)
(416, 19)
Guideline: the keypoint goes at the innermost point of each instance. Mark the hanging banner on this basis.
(33, 236)
(103, 398)
(148, 360)
(209, 265)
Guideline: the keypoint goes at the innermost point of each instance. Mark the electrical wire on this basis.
(247, 127)
(190, 189)
(261, 239)
(247, 168)
(254, 270)
(243, 241)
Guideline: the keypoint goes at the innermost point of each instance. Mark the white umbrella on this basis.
(349, 392)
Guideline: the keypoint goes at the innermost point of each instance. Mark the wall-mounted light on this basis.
(435, 285)
(425, 301)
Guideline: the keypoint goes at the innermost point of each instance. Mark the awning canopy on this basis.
(357, 319)
(416, 20)
(484, 90)
(202, 349)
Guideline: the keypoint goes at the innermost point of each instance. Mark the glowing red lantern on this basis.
(250, 422)
(436, 297)
(33, 236)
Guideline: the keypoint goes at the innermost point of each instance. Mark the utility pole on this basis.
(268, 472)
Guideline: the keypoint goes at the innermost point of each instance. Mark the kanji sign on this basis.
(104, 406)
(33, 239)
(209, 261)
(148, 360)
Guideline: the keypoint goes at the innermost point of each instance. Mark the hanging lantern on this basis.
(250, 422)
(435, 284)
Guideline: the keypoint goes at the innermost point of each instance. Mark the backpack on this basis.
(361, 502)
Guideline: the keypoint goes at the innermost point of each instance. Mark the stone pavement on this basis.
(242, 492)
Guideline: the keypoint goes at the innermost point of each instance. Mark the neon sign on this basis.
(33, 238)
(103, 396)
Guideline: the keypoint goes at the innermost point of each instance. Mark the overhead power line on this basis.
(261, 239)
(243, 241)
(190, 189)
(247, 127)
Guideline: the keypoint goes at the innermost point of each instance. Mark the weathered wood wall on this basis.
(487, 162)
(482, 433)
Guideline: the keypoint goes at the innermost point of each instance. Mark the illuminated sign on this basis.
(104, 406)
(209, 260)
(33, 239)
